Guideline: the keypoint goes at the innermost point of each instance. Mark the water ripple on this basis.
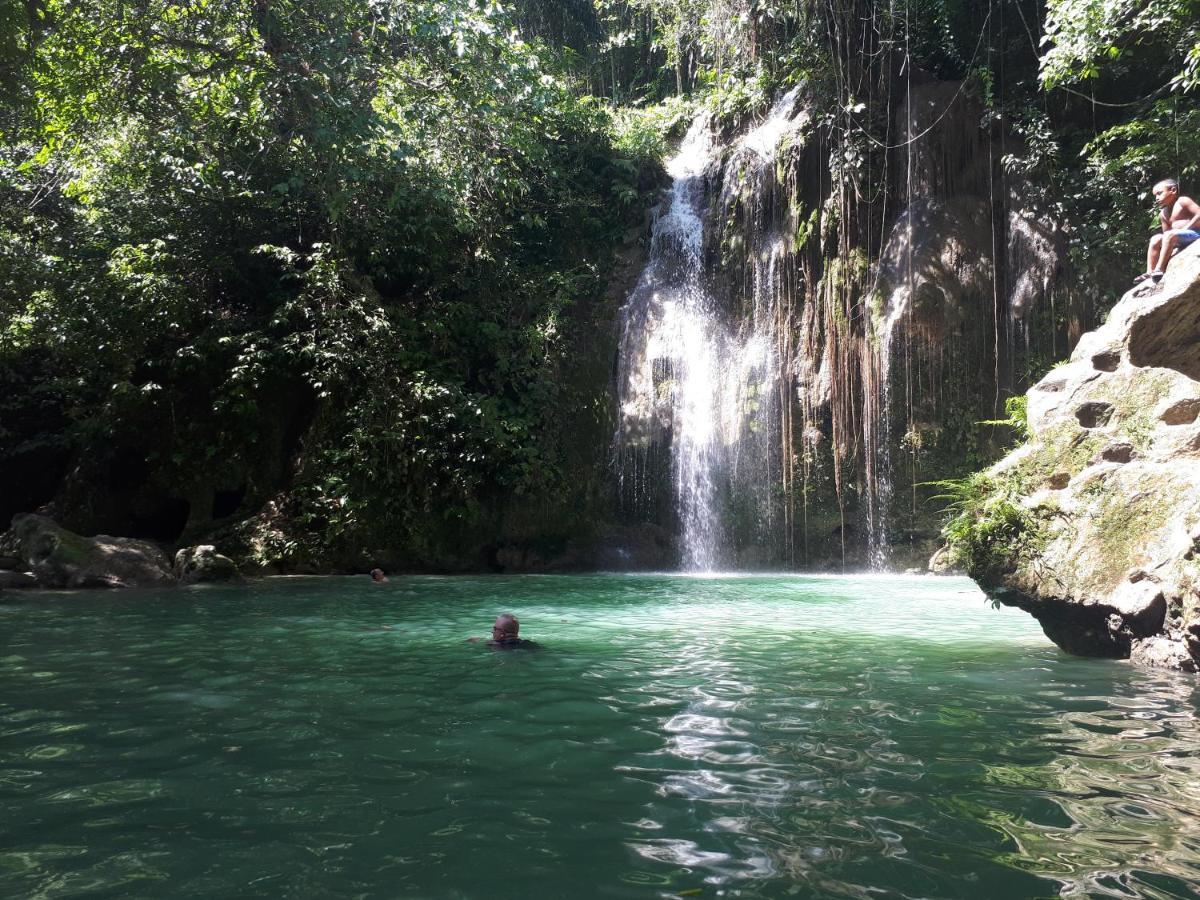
(769, 736)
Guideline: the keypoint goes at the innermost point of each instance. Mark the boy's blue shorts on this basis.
(1185, 236)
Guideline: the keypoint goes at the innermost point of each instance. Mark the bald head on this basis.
(506, 628)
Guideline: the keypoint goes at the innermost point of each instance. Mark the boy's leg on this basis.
(1152, 255)
(1152, 252)
(1165, 249)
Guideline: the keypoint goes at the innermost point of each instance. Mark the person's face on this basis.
(504, 630)
(1164, 194)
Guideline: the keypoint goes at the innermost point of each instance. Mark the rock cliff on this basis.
(1093, 526)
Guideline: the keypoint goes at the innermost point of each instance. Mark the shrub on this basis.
(987, 530)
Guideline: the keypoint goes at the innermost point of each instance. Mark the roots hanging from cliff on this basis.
(857, 247)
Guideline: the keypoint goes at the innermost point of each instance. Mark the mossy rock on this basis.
(62, 559)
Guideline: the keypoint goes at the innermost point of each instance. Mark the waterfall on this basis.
(671, 349)
(694, 376)
(878, 425)
(780, 379)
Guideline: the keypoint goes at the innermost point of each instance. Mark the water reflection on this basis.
(1126, 776)
(848, 776)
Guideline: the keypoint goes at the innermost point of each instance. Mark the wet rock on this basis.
(1059, 480)
(1162, 653)
(1050, 385)
(633, 548)
(203, 563)
(1167, 334)
(60, 558)
(1140, 606)
(516, 557)
(1191, 637)
(941, 563)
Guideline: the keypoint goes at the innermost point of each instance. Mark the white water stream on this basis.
(691, 377)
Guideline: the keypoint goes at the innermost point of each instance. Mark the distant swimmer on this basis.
(505, 635)
(378, 577)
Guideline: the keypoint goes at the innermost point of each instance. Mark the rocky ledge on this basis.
(44, 554)
(1093, 526)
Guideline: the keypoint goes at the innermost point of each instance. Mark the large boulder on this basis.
(203, 563)
(62, 559)
(1093, 526)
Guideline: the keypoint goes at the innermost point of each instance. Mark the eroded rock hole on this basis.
(1184, 412)
(1094, 414)
(1117, 453)
(1106, 361)
(226, 503)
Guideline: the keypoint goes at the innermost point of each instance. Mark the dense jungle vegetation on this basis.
(326, 277)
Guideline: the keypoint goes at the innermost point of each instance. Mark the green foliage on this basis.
(1120, 166)
(643, 134)
(1086, 36)
(1016, 411)
(386, 220)
(391, 211)
(987, 530)
(733, 97)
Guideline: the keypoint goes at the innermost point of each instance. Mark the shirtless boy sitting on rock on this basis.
(1179, 217)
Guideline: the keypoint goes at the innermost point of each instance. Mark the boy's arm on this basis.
(1190, 206)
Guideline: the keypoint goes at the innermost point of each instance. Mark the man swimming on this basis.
(505, 633)
(1179, 217)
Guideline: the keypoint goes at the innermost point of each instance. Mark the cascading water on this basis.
(762, 347)
(670, 353)
(879, 428)
(691, 377)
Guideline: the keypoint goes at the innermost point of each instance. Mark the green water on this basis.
(740, 737)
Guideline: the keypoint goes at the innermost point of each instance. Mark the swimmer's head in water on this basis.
(378, 576)
(505, 628)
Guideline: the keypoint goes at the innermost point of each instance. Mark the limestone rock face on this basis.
(1111, 477)
(203, 563)
(63, 559)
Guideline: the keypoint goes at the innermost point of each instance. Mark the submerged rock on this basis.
(62, 559)
(203, 563)
(1101, 540)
